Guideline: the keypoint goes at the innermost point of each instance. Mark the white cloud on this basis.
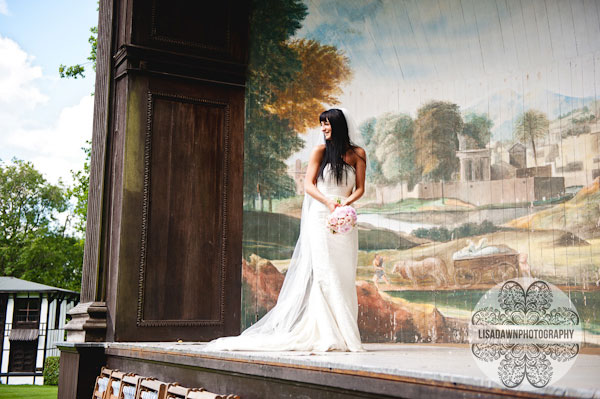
(53, 145)
(19, 94)
(18, 77)
(57, 149)
(4, 7)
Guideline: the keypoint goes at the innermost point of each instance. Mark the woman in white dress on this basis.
(317, 307)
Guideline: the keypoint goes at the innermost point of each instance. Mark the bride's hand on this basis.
(332, 205)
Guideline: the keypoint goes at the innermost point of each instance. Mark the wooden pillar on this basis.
(80, 364)
(163, 243)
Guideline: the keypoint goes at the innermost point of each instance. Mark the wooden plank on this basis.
(91, 284)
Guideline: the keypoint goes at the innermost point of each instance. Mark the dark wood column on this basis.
(164, 233)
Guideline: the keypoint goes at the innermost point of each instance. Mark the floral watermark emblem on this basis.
(525, 331)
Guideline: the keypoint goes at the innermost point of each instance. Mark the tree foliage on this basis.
(288, 83)
(51, 369)
(477, 130)
(531, 126)
(436, 140)
(268, 139)
(79, 191)
(367, 131)
(390, 141)
(33, 244)
(442, 234)
(78, 70)
(323, 69)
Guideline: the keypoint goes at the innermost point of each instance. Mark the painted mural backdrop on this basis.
(480, 121)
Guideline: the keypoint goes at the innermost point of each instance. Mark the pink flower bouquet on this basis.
(341, 220)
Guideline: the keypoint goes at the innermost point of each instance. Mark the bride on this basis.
(317, 307)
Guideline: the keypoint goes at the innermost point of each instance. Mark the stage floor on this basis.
(440, 366)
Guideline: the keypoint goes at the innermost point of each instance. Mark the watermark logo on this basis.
(525, 331)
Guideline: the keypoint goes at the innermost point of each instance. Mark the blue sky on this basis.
(45, 119)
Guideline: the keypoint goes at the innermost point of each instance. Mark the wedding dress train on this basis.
(317, 308)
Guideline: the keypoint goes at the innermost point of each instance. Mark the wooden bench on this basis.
(114, 384)
(151, 388)
(201, 393)
(129, 386)
(176, 391)
(101, 383)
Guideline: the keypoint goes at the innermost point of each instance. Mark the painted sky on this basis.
(426, 40)
(45, 119)
(494, 56)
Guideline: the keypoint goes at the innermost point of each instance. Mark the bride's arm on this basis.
(310, 179)
(361, 168)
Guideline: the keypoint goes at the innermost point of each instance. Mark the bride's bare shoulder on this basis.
(360, 151)
(317, 154)
(318, 150)
(354, 154)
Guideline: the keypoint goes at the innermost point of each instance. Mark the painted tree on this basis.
(324, 69)
(531, 126)
(289, 82)
(394, 148)
(367, 131)
(268, 139)
(477, 130)
(437, 127)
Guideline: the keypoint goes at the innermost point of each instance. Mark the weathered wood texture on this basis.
(258, 379)
(92, 263)
(184, 181)
(79, 368)
(170, 212)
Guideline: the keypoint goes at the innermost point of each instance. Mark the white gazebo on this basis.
(32, 320)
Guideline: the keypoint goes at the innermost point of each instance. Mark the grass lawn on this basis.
(28, 391)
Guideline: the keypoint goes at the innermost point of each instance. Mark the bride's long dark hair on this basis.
(337, 145)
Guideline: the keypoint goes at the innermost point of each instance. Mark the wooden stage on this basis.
(384, 371)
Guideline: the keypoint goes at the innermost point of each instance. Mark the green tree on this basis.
(531, 126)
(288, 82)
(33, 244)
(268, 141)
(80, 189)
(437, 127)
(367, 131)
(393, 147)
(78, 70)
(477, 129)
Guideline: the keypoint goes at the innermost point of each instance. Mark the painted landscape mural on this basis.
(480, 121)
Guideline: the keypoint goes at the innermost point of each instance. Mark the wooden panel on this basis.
(175, 241)
(92, 264)
(114, 201)
(79, 368)
(164, 235)
(182, 262)
(217, 29)
(201, 24)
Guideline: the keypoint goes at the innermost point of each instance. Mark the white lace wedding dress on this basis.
(317, 308)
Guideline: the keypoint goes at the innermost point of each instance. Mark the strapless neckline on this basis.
(329, 186)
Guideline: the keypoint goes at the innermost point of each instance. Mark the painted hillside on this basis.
(579, 216)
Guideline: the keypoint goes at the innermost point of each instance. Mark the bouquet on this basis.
(341, 220)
